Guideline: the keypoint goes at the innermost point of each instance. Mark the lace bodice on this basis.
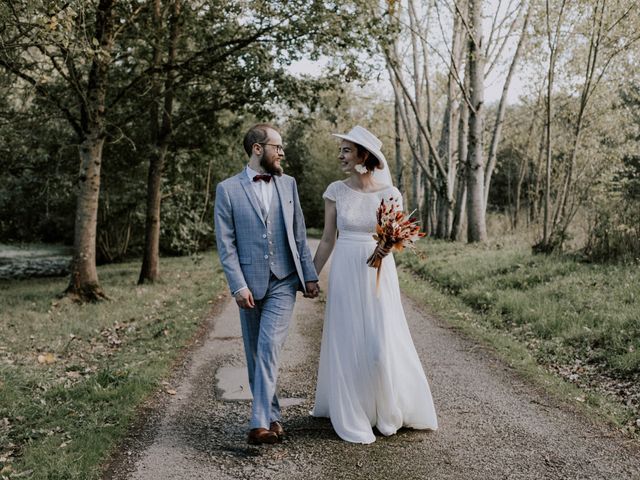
(356, 211)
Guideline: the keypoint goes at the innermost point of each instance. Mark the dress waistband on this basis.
(348, 236)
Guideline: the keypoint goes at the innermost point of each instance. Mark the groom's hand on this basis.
(313, 289)
(244, 298)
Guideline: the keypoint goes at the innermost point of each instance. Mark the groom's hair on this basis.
(256, 134)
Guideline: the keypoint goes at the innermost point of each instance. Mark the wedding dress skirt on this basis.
(370, 373)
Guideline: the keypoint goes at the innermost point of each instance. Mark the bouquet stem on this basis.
(375, 260)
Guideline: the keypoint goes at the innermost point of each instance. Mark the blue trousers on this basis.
(264, 330)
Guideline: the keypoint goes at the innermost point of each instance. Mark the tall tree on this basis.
(553, 39)
(84, 275)
(160, 123)
(476, 226)
(502, 105)
(461, 176)
(448, 143)
(271, 35)
(610, 32)
(60, 52)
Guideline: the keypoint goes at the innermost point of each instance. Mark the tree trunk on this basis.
(417, 89)
(476, 226)
(547, 182)
(522, 172)
(84, 284)
(398, 143)
(524, 163)
(546, 243)
(150, 270)
(502, 106)
(445, 216)
(461, 183)
(562, 216)
(449, 136)
(444, 207)
(397, 117)
(537, 181)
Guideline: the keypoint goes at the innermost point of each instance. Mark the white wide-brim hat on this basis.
(365, 138)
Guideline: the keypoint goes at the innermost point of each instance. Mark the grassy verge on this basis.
(544, 314)
(72, 376)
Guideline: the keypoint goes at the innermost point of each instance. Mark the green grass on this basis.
(313, 232)
(562, 314)
(72, 376)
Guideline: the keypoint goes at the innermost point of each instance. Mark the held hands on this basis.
(244, 298)
(313, 289)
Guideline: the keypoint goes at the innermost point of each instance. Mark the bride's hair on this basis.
(372, 161)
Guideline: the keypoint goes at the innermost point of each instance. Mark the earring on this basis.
(361, 169)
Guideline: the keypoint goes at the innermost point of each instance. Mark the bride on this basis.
(369, 374)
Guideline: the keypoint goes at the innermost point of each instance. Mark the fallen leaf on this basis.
(46, 358)
(581, 399)
(170, 391)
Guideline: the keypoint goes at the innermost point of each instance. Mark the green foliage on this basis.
(230, 70)
(561, 309)
(309, 161)
(615, 228)
(614, 232)
(73, 376)
(34, 206)
(515, 351)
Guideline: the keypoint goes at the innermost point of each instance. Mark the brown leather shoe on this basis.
(276, 427)
(259, 436)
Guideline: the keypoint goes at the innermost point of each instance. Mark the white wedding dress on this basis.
(370, 373)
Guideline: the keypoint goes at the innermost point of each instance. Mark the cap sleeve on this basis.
(331, 192)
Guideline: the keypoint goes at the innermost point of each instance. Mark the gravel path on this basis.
(493, 424)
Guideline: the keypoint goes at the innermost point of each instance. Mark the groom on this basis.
(263, 249)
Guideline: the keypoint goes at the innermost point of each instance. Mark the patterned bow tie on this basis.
(265, 177)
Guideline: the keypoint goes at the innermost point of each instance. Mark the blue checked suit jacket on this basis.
(241, 233)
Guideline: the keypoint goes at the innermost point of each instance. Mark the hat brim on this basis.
(372, 150)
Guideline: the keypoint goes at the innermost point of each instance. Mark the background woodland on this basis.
(118, 118)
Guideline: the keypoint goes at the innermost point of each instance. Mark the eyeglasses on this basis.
(279, 148)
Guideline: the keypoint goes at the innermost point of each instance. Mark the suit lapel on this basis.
(251, 194)
(286, 201)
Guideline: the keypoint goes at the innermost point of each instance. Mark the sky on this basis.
(493, 84)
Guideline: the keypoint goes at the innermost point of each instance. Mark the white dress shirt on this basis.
(264, 190)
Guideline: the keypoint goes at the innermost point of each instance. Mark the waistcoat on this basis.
(277, 248)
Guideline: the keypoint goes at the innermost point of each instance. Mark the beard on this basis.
(270, 166)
